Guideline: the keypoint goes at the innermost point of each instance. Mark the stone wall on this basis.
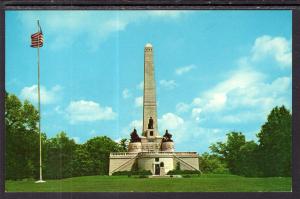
(146, 164)
(192, 162)
(168, 164)
(122, 163)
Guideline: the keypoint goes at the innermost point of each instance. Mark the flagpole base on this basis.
(40, 181)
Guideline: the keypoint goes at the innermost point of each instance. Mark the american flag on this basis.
(37, 39)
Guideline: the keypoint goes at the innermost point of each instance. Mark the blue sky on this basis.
(216, 71)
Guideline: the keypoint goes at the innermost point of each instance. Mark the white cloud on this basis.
(281, 84)
(126, 93)
(184, 69)
(175, 125)
(96, 26)
(216, 98)
(47, 96)
(182, 107)
(169, 84)
(185, 131)
(277, 47)
(242, 117)
(246, 95)
(196, 113)
(138, 101)
(262, 94)
(217, 101)
(170, 121)
(197, 101)
(140, 86)
(88, 111)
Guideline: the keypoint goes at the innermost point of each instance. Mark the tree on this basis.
(82, 163)
(240, 156)
(124, 144)
(177, 168)
(59, 159)
(229, 151)
(212, 164)
(275, 143)
(248, 160)
(21, 138)
(271, 157)
(99, 149)
(62, 157)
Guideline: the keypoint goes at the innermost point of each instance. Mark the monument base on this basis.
(40, 181)
(159, 163)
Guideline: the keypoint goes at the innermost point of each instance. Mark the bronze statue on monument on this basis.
(150, 124)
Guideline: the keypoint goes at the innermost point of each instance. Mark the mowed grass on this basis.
(203, 183)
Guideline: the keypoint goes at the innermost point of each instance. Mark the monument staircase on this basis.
(186, 163)
(126, 163)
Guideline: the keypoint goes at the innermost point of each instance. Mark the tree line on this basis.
(270, 156)
(62, 157)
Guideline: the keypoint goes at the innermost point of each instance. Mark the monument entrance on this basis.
(157, 169)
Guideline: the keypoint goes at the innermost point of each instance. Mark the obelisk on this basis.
(149, 101)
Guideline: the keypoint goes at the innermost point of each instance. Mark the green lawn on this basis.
(204, 183)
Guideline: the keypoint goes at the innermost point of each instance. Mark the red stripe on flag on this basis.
(39, 36)
(36, 34)
(38, 40)
(35, 45)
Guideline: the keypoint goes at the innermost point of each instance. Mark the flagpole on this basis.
(39, 107)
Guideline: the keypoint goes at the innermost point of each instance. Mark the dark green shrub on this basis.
(221, 170)
(122, 173)
(177, 166)
(142, 172)
(129, 173)
(182, 172)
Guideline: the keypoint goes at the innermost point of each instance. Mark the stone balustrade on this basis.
(123, 154)
(112, 154)
(168, 153)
